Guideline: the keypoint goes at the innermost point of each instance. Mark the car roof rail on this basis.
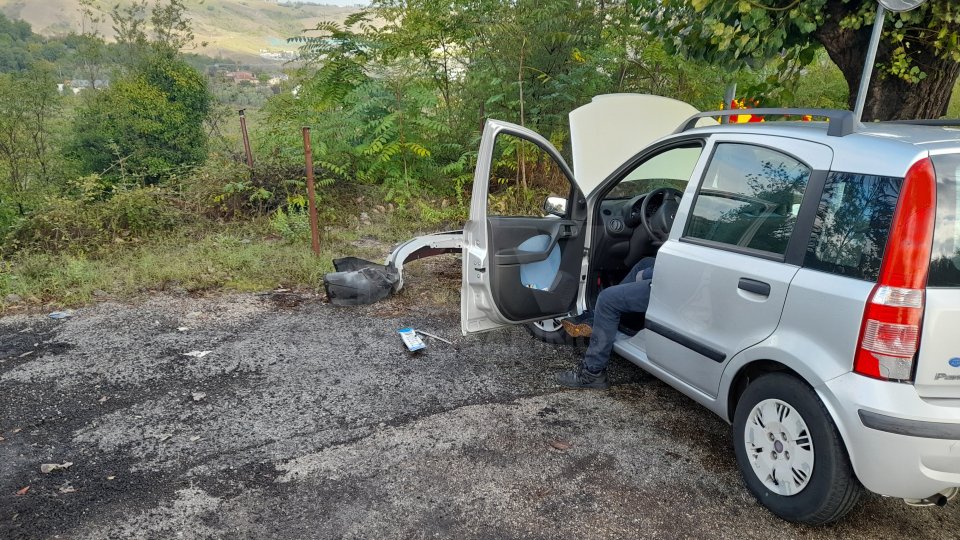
(842, 123)
(946, 122)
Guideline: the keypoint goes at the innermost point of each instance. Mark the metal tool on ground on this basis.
(438, 338)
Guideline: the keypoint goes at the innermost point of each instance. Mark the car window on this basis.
(945, 261)
(671, 168)
(749, 198)
(852, 225)
(522, 176)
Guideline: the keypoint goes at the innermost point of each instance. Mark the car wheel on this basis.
(790, 453)
(550, 331)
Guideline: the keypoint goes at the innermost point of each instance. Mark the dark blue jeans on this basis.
(630, 296)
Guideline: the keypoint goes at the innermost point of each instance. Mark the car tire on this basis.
(825, 487)
(550, 331)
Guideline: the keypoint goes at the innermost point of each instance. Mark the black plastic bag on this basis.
(358, 282)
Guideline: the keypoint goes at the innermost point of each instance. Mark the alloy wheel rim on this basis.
(779, 447)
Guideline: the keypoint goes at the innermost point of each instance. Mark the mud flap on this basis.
(359, 282)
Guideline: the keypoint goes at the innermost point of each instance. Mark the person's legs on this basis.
(612, 302)
(582, 325)
(631, 297)
(643, 264)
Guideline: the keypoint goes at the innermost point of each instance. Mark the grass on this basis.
(232, 259)
(239, 256)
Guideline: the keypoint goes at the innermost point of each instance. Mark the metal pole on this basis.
(311, 193)
(868, 66)
(246, 138)
(728, 96)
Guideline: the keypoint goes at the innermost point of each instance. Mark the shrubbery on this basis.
(75, 226)
(146, 125)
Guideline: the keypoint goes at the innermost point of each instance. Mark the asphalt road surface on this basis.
(312, 421)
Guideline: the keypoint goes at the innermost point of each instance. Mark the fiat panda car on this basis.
(807, 287)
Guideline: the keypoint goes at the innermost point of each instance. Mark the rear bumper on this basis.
(900, 444)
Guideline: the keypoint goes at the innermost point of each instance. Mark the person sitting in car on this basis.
(632, 295)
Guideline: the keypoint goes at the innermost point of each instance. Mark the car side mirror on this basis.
(555, 206)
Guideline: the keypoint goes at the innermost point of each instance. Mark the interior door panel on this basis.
(519, 299)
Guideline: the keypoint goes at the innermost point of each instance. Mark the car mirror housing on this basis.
(555, 206)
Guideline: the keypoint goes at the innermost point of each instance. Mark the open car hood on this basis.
(614, 127)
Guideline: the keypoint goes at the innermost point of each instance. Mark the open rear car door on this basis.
(519, 269)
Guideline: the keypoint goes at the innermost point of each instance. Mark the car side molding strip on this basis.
(686, 341)
(910, 428)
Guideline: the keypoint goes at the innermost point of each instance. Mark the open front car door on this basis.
(520, 269)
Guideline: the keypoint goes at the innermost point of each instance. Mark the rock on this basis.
(100, 294)
(48, 468)
(560, 444)
(198, 396)
(12, 298)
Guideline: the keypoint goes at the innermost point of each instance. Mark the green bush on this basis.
(146, 125)
(225, 188)
(292, 223)
(86, 226)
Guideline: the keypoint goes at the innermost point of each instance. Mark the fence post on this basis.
(311, 193)
(246, 138)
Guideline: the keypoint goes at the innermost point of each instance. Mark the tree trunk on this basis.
(889, 97)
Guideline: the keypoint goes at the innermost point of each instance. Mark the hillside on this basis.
(230, 27)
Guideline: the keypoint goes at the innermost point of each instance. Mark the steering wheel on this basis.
(658, 225)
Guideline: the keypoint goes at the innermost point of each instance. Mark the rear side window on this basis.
(749, 198)
(852, 225)
(945, 259)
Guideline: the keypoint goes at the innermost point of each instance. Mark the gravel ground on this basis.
(311, 421)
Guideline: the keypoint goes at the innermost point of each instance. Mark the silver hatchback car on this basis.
(807, 286)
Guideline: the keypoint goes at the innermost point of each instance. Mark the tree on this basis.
(918, 59)
(28, 103)
(146, 124)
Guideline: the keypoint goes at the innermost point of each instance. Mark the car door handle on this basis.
(754, 286)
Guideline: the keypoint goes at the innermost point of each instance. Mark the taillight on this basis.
(890, 333)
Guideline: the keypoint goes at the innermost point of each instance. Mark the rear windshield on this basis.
(945, 260)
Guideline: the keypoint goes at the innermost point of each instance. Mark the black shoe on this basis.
(583, 378)
(579, 326)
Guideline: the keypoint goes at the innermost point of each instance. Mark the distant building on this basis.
(278, 55)
(276, 80)
(241, 76)
(78, 85)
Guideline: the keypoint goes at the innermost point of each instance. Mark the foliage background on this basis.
(150, 167)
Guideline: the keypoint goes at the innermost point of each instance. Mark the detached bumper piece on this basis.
(358, 282)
